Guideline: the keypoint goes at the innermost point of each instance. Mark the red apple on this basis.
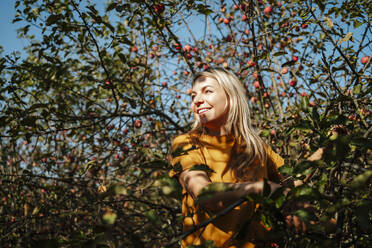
(294, 58)
(125, 131)
(268, 10)
(187, 48)
(253, 99)
(226, 21)
(273, 132)
(250, 63)
(246, 31)
(134, 49)
(189, 56)
(244, 18)
(164, 84)
(256, 84)
(159, 8)
(186, 73)
(137, 123)
(304, 25)
(364, 60)
(293, 82)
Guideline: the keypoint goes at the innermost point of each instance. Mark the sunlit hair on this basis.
(251, 148)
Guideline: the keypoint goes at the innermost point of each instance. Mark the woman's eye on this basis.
(208, 91)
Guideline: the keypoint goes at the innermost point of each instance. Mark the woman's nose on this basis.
(198, 100)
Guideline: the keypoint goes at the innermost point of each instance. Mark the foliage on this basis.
(88, 114)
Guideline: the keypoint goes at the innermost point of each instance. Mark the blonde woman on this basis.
(223, 141)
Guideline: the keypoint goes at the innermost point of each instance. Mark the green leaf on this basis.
(362, 142)
(202, 167)
(320, 5)
(211, 189)
(347, 37)
(109, 218)
(111, 6)
(52, 19)
(288, 63)
(304, 104)
(362, 212)
(361, 180)
(329, 22)
(156, 164)
(279, 54)
(357, 24)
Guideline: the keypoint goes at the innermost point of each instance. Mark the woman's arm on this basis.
(195, 181)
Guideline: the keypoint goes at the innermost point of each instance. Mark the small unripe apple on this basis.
(364, 60)
(284, 70)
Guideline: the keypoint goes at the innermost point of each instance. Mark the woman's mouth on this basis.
(201, 111)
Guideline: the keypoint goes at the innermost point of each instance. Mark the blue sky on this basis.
(8, 36)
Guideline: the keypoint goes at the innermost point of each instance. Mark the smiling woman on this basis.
(210, 104)
(236, 158)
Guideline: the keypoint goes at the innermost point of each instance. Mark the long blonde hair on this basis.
(251, 148)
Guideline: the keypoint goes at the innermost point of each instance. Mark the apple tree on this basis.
(89, 110)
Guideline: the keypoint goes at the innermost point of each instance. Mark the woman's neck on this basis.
(216, 132)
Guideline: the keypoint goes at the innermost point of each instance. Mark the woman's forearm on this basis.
(234, 191)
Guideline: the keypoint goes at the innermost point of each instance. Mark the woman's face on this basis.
(209, 103)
